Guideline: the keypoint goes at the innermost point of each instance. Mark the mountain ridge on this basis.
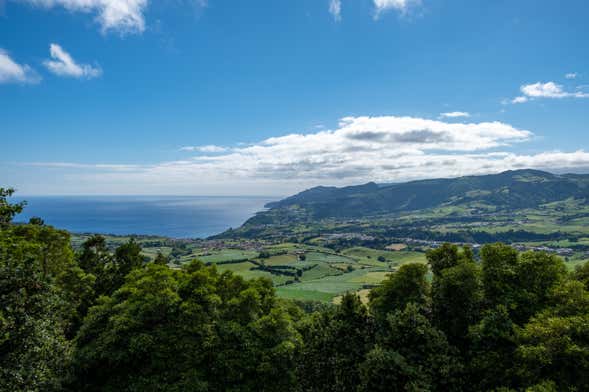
(512, 189)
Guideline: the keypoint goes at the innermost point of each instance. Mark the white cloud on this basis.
(402, 6)
(544, 90)
(12, 72)
(520, 99)
(335, 9)
(571, 75)
(549, 90)
(241, 174)
(71, 165)
(360, 149)
(124, 16)
(454, 114)
(208, 148)
(63, 64)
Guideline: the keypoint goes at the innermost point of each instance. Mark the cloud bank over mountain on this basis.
(360, 149)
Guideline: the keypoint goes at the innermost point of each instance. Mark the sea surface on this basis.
(170, 216)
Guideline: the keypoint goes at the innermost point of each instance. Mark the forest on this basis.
(93, 319)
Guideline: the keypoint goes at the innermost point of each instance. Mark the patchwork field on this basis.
(305, 271)
(313, 273)
(298, 271)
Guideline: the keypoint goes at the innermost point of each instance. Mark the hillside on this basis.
(508, 190)
(519, 205)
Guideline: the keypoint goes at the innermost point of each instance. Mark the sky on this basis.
(270, 97)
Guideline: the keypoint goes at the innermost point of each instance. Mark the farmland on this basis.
(311, 249)
(298, 271)
(320, 268)
(311, 272)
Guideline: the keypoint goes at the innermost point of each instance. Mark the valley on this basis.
(309, 255)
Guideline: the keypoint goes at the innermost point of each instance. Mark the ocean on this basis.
(170, 216)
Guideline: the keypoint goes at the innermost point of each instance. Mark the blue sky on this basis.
(274, 96)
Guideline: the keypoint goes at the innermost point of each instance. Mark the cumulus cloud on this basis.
(425, 134)
(63, 64)
(546, 90)
(401, 6)
(359, 149)
(124, 16)
(454, 114)
(571, 75)
(208, 148)
(335, 9)
(241, 174)
(549, 90)
(12, 72)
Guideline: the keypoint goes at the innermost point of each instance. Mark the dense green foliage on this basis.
(41, 286)
(8, 210)
(186, 330)
(108, 319)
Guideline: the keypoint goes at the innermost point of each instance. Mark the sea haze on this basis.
(170, 216)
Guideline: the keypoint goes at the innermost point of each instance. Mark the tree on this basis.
(582, 274)
(78, 292)
(129, 327)
(8, 210)
(127, 257)
(336, 341)
(445, 256)
(161, 259)
(55, 251)
(387, 370)
(456, 301)
(408, 285)
(555, 348)
(537, 274)
(499, 275)
(94, 255)
(186, 330)
(35, 220)
(456, 291)
(411, 353)
(491, 351)
(56, 263)
(110, 270)
(34, 353)
(554, 344)
(568, 299)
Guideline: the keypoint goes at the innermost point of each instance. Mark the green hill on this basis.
(509, 190)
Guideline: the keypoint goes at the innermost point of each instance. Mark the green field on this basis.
(370, 256)
(226, 255)
(321, 274)
(287, 259)
(304, 295)
(307, 271)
